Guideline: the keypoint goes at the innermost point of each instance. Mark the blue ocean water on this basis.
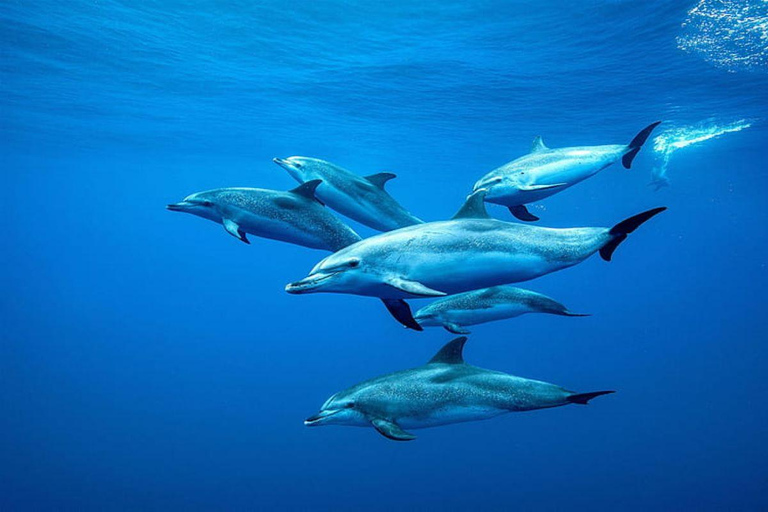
(149, 361)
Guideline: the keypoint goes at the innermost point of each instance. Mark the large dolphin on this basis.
(545, 172)
(469, 252)
(294, 216)
(443, 391)
(455, 312)
(360, 198)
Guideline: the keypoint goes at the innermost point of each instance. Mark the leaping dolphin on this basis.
(469, 252)
(545, 172)
(360, 198)
(456, 312)
(294, 216)
(445, 390)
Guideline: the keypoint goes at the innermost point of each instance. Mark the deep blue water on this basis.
(149, 361)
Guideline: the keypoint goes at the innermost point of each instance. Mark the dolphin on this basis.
(486, 305)
(360, 198)
(294, 216)
(545, 172)
(468, 252)
(445, 390)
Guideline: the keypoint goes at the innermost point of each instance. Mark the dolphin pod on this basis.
(456, 312)
(468, 252)
(467, 262)
(445, 390)
(545, 172)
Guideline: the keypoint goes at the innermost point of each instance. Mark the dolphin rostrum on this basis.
(294, 216)
(469, 252)
(544, 172)
(445, 390)
(360, 198)
(455, 312)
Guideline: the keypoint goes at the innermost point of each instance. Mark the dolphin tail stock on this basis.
(584, 398)
(401, 311)
(637, 143)
(620, 231)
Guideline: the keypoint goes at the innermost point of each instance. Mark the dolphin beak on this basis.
(317, 419)
(178, 207)
(309, 284)
(285, 164)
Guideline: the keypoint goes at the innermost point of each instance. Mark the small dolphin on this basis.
(545, 172)
(294, 216)
(360, 199)
(480, 306)
(445, 390)
(469, 252)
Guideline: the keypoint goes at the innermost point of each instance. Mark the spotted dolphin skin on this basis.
(360, 198)
(545, 172)
(294, 216)
(445, 390)
(469, 252)
(456, 312)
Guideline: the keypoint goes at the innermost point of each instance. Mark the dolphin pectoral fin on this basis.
(413, 287)
(380, 179)
(391, 430)
(522, 213)
(401, 311)
(455, 328)
(234, 229)
(536, 188)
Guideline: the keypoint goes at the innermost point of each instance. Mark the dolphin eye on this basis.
(354, 263)
(207, 203)
(349, 405)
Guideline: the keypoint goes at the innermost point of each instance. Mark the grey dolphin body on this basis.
(544, 172)
(360, 198)
(294, 216)
(455, 312)
(445, 390)
(469, 252)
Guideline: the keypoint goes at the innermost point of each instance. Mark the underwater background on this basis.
(149, 361)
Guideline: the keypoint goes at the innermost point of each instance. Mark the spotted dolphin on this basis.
(294, 216)
(445, 390)
(456, 312)
(469, 252)
(360, 198)
(545, 172)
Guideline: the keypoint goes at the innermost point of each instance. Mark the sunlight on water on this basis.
(732, 34)
(677, 138)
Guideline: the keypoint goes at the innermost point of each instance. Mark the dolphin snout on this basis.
(177, 207)
(307, 285)
(317, 419)
(282, 162)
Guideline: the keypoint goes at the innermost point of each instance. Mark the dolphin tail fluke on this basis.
(637, 143)
(584, 398)
(400, 309)
(620, 231)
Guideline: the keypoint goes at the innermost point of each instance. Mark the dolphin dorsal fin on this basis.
(307, 190)
(380, 179)
(538, 145)
(474, 207)
(451, 353)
